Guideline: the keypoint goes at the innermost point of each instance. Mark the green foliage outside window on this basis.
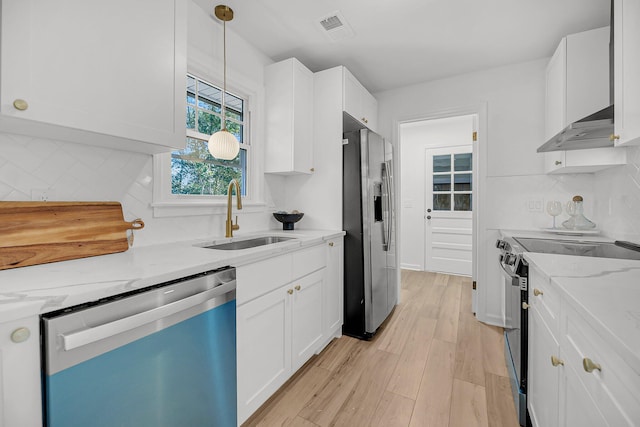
(194, 171)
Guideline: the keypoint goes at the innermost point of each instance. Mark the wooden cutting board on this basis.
(41, 232)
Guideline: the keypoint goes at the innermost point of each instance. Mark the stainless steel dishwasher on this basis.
(161, 356)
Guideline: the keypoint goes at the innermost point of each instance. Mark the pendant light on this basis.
(223, 144)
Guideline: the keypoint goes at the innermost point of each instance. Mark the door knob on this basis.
(537, 292)
(558, 162)
(428, 216)
(428, 210)
(525, 306)
(613, 137)
(290, 291)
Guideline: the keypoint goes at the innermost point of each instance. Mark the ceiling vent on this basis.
(335, 26)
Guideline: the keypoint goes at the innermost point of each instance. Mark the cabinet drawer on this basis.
(262, 277)
(616, 388)
(309, 260)
(547, 302)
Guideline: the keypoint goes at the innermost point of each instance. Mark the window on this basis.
(452, 187)
(194, 171)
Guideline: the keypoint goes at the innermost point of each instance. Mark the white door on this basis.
(448, 216)
(306, 317)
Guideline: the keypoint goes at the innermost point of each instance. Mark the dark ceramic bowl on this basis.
(288, 220)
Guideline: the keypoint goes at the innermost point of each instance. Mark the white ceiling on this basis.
(402, 42)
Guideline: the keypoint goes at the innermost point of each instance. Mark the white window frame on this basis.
(166, 204)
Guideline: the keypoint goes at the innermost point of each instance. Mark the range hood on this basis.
(592, 131)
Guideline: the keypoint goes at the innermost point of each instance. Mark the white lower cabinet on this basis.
(264, 348)
(20, 394)
(278, 331)
(575, 378)
(306, 319)
(543, 378)
(334, 290)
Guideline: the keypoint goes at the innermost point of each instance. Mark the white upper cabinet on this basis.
(289, 118)
(627, 72)
(104, 73)
(358, 102)
(577, 85)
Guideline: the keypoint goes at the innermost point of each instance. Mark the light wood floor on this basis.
(431, 364)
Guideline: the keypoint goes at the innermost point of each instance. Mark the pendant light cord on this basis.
(224, 73)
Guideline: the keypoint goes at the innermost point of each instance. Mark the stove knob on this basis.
(500, 244)
(510, 259)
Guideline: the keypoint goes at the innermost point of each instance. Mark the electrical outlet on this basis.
(42, 194)
(536, 205)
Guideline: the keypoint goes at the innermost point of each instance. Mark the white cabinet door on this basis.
(114, 68)
(370, 110)
(264, 348)
(334, 290)
(556, 94)
(289, 118)
(542, 377)
(584, 161)
(306, 318)
(358, 102)
(576, 406)
(20, 373)
(627, 71)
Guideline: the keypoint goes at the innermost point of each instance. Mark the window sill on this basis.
(196, 207)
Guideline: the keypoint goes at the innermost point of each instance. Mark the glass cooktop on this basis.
(621, 250)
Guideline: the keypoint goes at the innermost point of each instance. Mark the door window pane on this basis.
(462, 182)
(462, 162)
(442, 183)
(442, 163)
(462, 202)
(442, 202)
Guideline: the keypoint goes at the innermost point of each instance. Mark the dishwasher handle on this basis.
(97, 333)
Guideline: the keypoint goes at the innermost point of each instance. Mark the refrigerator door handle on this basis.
(387, 208)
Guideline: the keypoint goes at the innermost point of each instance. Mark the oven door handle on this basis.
(100, 332)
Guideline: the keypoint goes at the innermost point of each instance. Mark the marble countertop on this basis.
(28, 291)
(605, 291)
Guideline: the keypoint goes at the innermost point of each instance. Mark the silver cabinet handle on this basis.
(97, 333)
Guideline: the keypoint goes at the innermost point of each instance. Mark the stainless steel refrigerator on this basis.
(370, 272)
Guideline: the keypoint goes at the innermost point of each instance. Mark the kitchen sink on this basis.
(249, 243)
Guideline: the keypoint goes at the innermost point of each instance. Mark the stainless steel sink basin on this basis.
(249, 243)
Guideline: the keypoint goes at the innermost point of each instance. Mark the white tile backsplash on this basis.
(85, 173)
(506, 199)
(618, 198)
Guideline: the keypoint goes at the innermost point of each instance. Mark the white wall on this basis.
(78, 172)
(511, 173)
(416, 138)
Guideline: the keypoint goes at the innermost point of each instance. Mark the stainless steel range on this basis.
(515, 272)
(515, 276)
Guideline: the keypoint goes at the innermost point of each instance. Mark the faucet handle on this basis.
(235, 226)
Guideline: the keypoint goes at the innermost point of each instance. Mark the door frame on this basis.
(480, 161)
